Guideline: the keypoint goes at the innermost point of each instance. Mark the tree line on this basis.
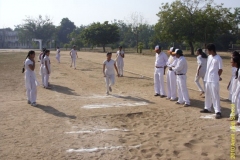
(183, 23)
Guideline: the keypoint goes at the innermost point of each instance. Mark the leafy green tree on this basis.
(66, 46)
(40, 28)
(75, 37)
(192, 21)
(66, 27)
(100, 34)
(140, 46)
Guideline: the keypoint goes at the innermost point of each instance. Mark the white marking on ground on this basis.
(97, 130)
(212, 116)
(237, 128)
(115, 105)
(100, 148)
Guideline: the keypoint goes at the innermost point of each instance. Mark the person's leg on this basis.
(71, 62)
(122, 66)
(33, 92)
(184, 90)
(215, 97)
(112, 80)
(156, 83)
(208, 97)
(74, 63)
(180, 97)
(42, 75)
(237, 105)
(169, 91)
(28, 95)
(161, 80)
(107, 83)
(197, 78)
(173, 86)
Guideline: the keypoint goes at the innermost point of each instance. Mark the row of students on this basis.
(209, 69)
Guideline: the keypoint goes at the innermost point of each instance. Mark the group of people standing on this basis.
(209, 70)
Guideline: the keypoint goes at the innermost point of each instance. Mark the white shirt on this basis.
(58, 51)
(73, 53)
(161, 59)
(172, 61)
(41, 59)
(214, 64)
(109, 67)
(46, 59)
(119, 57)
(181, 67)
(203, 63)
(27, 63)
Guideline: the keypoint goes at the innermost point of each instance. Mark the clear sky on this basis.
(12, 12)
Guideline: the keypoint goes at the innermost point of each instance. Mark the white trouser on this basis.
(212, 96)
(237, 106)
(120, 65)
(159, 81)
(197, 78)
(110, 81)
(183, 96)
(171, 85)
(42, 73)
(32, 91)
(73, 62)
(46, 79)
(58, 58)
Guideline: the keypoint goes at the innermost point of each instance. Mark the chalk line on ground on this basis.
(93, 106)
(211, 116)
(237, 128)
(97, 130)
(100, 148)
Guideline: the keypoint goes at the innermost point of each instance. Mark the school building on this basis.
(10, 39)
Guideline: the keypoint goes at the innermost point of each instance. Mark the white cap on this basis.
(157, 47)
(175, 51)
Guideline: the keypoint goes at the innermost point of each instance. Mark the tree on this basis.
(66, 46)
(40, 28)
(66, 27)
(100, 34)
(192, 21)
(75, 36)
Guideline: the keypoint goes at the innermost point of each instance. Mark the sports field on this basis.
(76, 120)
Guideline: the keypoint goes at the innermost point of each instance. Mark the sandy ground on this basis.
(76, 120)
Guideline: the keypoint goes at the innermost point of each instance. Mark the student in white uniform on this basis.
(73, 54)
(212, 78)
(119, 60)
(160, 65)
(46, 69)
(42, 65)
(181, 70)
(30, 78)
(201, 70)
(234, 82)
(171, 76)
(236, 95)
(108, 71)
(58, 54)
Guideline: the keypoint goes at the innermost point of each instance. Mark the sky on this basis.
(84, 12)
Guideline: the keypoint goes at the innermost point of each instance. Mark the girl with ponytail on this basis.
(41, 57)
(30, 78)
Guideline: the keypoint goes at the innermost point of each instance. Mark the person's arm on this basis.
(198, 70)
(116, 69)
(179, 66)
(229, 85)
(32, 66)
(46, 67)
(220, 69)
(76, 54)
(70, 53)
(104, 70)
(122, 55)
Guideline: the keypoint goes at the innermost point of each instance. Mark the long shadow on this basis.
(53, 111)
(136, 99)
(200, 104)
(135, 77)
(63, 89)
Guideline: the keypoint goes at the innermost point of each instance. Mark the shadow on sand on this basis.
(64, 90)
(53, 111)
(136, 99)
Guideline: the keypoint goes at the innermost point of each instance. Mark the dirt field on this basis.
(76, 120)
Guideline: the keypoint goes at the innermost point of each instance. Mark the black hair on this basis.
(29, 53)
(211, 47)
(236, 59)
(179, 52)
(203, 55)
(44, 53)
(120, 47)
(235, 54)
(109, 53)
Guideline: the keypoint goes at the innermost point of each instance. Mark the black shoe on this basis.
(162, 96)
(157, 95)
(205, 111)
(218, 115)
